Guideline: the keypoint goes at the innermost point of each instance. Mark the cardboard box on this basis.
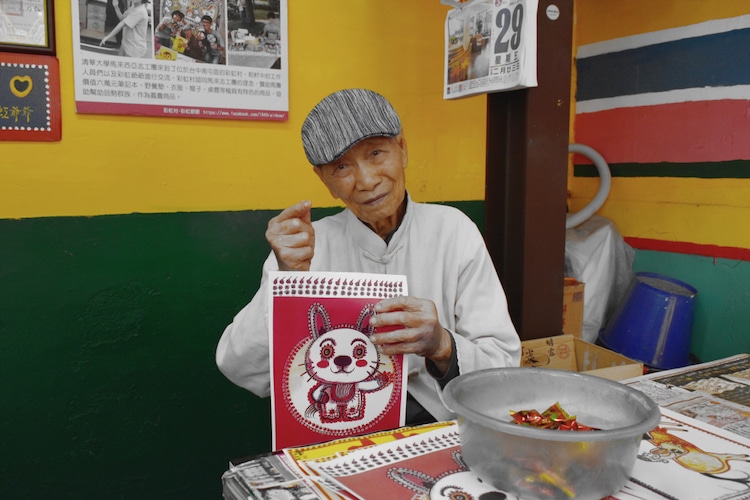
(572, 320)
(566, 352)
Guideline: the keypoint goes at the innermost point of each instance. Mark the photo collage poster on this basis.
(221, 59)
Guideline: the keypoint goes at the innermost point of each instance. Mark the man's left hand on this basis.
(421, 333)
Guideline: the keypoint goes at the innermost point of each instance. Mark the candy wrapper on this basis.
(553, 417)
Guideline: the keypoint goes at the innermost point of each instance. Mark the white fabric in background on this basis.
(597, 255)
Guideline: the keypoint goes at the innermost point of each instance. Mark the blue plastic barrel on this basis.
(653, 323)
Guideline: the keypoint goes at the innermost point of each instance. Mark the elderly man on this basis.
(455, 319)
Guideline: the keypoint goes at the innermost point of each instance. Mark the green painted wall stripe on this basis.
(108, 329)
(736, 169)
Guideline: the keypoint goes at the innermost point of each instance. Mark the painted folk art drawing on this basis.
(328, 380)
(428, 465)
(686, 458)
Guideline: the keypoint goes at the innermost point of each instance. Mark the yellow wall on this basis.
(702, 211)
(108, 164)
(597, 21)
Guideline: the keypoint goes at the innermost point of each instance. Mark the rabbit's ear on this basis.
(459, 459)
(318, 320)
(411, 479)
(364, 316)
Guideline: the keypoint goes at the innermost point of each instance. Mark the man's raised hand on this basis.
(292, 237)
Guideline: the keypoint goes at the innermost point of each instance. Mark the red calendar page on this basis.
(327, 378)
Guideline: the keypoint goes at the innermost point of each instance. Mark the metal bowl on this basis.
(535, 463)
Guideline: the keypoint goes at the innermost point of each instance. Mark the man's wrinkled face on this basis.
(370, 180)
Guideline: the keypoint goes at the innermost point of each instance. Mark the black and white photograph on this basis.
(255, 34)
(116, 27)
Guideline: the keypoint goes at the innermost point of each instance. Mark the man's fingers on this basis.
(300, 211)
(292, 237)
(394, 318)
(306, 208)
(295, 240)
(293, 220)
(404, 334)
(399, 303)
(420, 332)
(295, 259)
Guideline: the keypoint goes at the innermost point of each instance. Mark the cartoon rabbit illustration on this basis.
(344, 364)
(460, 483)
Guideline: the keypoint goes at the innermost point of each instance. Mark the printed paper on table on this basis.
(428, 465)
(327, 378)
(266, 476)
(716, 392)
(686, 458)
(490, 46)
(232, 70)
(329, 450)
(342, 446)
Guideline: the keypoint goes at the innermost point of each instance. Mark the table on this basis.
(700, 449)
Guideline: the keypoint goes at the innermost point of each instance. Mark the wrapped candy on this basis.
(553, 417)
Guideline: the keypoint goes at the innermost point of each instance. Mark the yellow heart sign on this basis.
(21, 86)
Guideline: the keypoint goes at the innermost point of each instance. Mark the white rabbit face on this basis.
(342, 356)
(465, 486)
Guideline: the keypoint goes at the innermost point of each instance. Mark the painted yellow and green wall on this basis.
(126, 247)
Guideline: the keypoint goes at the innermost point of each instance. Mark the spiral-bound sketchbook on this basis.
(428, 465)
(327, 378)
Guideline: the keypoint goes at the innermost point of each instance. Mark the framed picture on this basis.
(27, 26)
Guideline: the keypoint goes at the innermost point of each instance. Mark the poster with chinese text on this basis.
(490, 46)
(186, 58)
(327, 378)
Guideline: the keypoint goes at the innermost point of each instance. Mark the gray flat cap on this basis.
(344, 118)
